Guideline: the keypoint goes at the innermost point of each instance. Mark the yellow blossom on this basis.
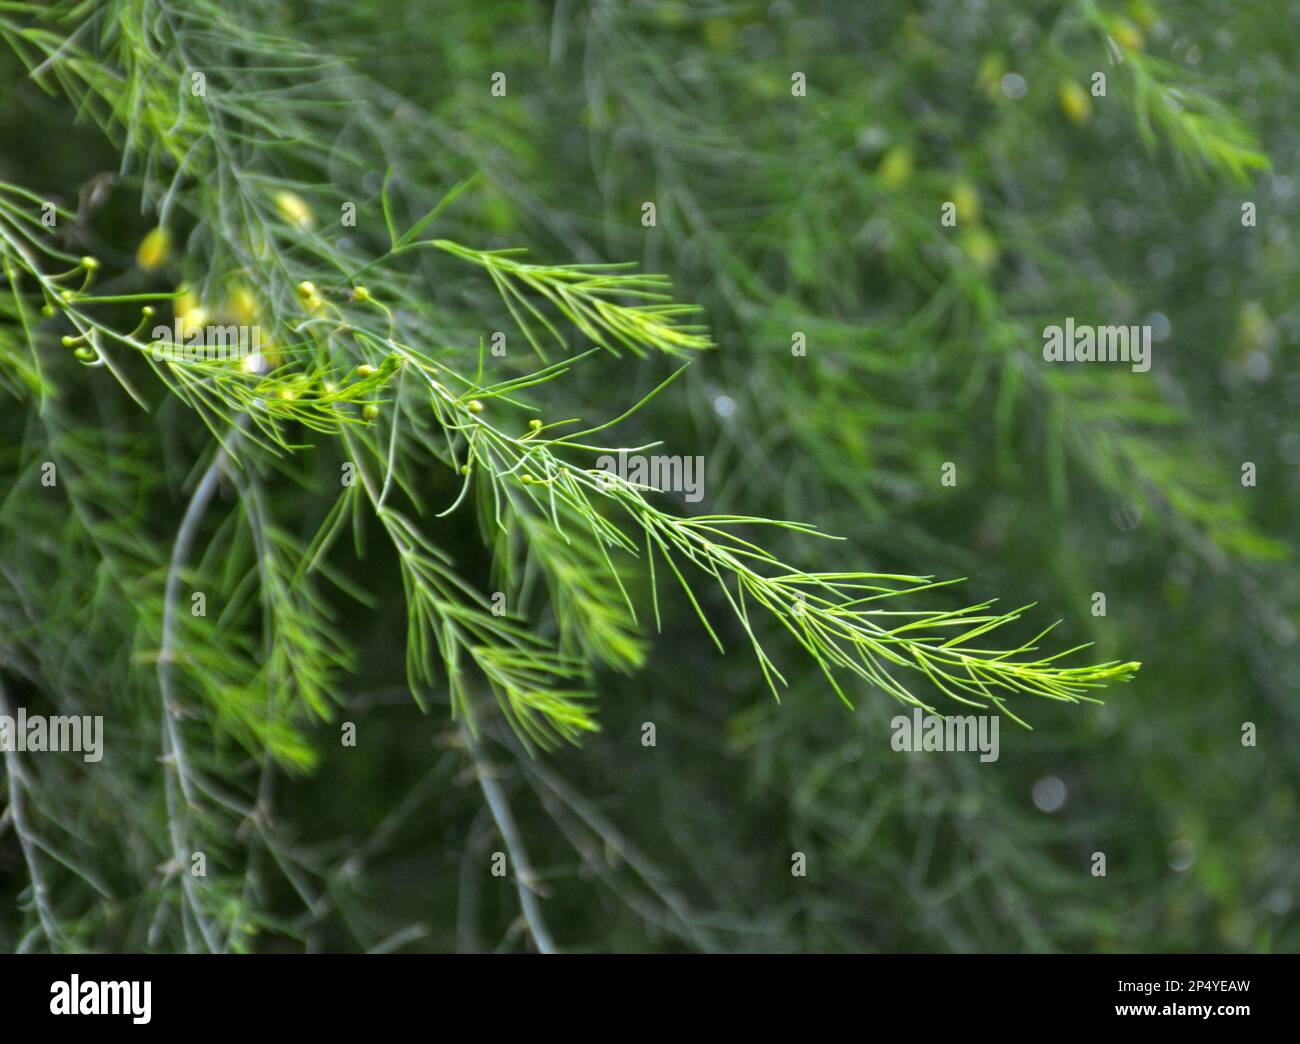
(1075, 102)
(896, 167)
(154, 249)
(294, 209)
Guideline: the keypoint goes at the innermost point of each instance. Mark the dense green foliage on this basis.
(414, 450)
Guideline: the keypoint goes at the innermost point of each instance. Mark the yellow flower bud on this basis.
(1075, 102)
(365, 370)
(193, 321)
(294, 209)
(981, 247)
(242, 304)
(154, 249)
(1147, 16)
(896, 167)
(967, 200)
(989, 77)
(475, 406)
(1128, 35)
(186, 301)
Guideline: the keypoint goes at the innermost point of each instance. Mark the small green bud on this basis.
(535, 424)
(90, 264)
(365, 370)
(84, 353)
(68, 341)
(360, 293)
(47, 310)
(475, 406)
(307, 290)
(370, 412)
(147, 311)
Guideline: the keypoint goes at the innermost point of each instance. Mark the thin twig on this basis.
(514, 842)
(18, 812)
(172, 746)
(603, 828)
